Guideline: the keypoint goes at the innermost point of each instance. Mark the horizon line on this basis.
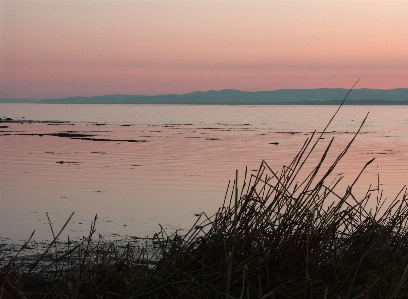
(197, 91)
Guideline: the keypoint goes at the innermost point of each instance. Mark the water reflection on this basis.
(182, 166)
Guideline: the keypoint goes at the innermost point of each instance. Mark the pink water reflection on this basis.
(178, 170)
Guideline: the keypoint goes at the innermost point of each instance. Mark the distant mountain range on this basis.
(321, 96)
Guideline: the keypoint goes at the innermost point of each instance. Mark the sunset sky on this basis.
(55, 49)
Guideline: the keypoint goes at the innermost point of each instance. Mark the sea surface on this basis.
(139, 167)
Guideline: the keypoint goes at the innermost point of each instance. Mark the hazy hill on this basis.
(322, 96)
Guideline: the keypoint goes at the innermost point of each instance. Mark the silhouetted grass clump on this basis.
(278, 236)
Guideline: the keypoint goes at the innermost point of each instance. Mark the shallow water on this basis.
(140, 165)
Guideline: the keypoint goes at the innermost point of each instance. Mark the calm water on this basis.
(140, 165)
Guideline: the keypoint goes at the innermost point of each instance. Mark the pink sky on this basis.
(53, 49)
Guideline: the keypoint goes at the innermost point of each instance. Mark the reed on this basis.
(280, 235)
(285, 238)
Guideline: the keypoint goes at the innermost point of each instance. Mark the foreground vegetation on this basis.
(277, 236)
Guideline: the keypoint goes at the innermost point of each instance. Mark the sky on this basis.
(57, 48)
